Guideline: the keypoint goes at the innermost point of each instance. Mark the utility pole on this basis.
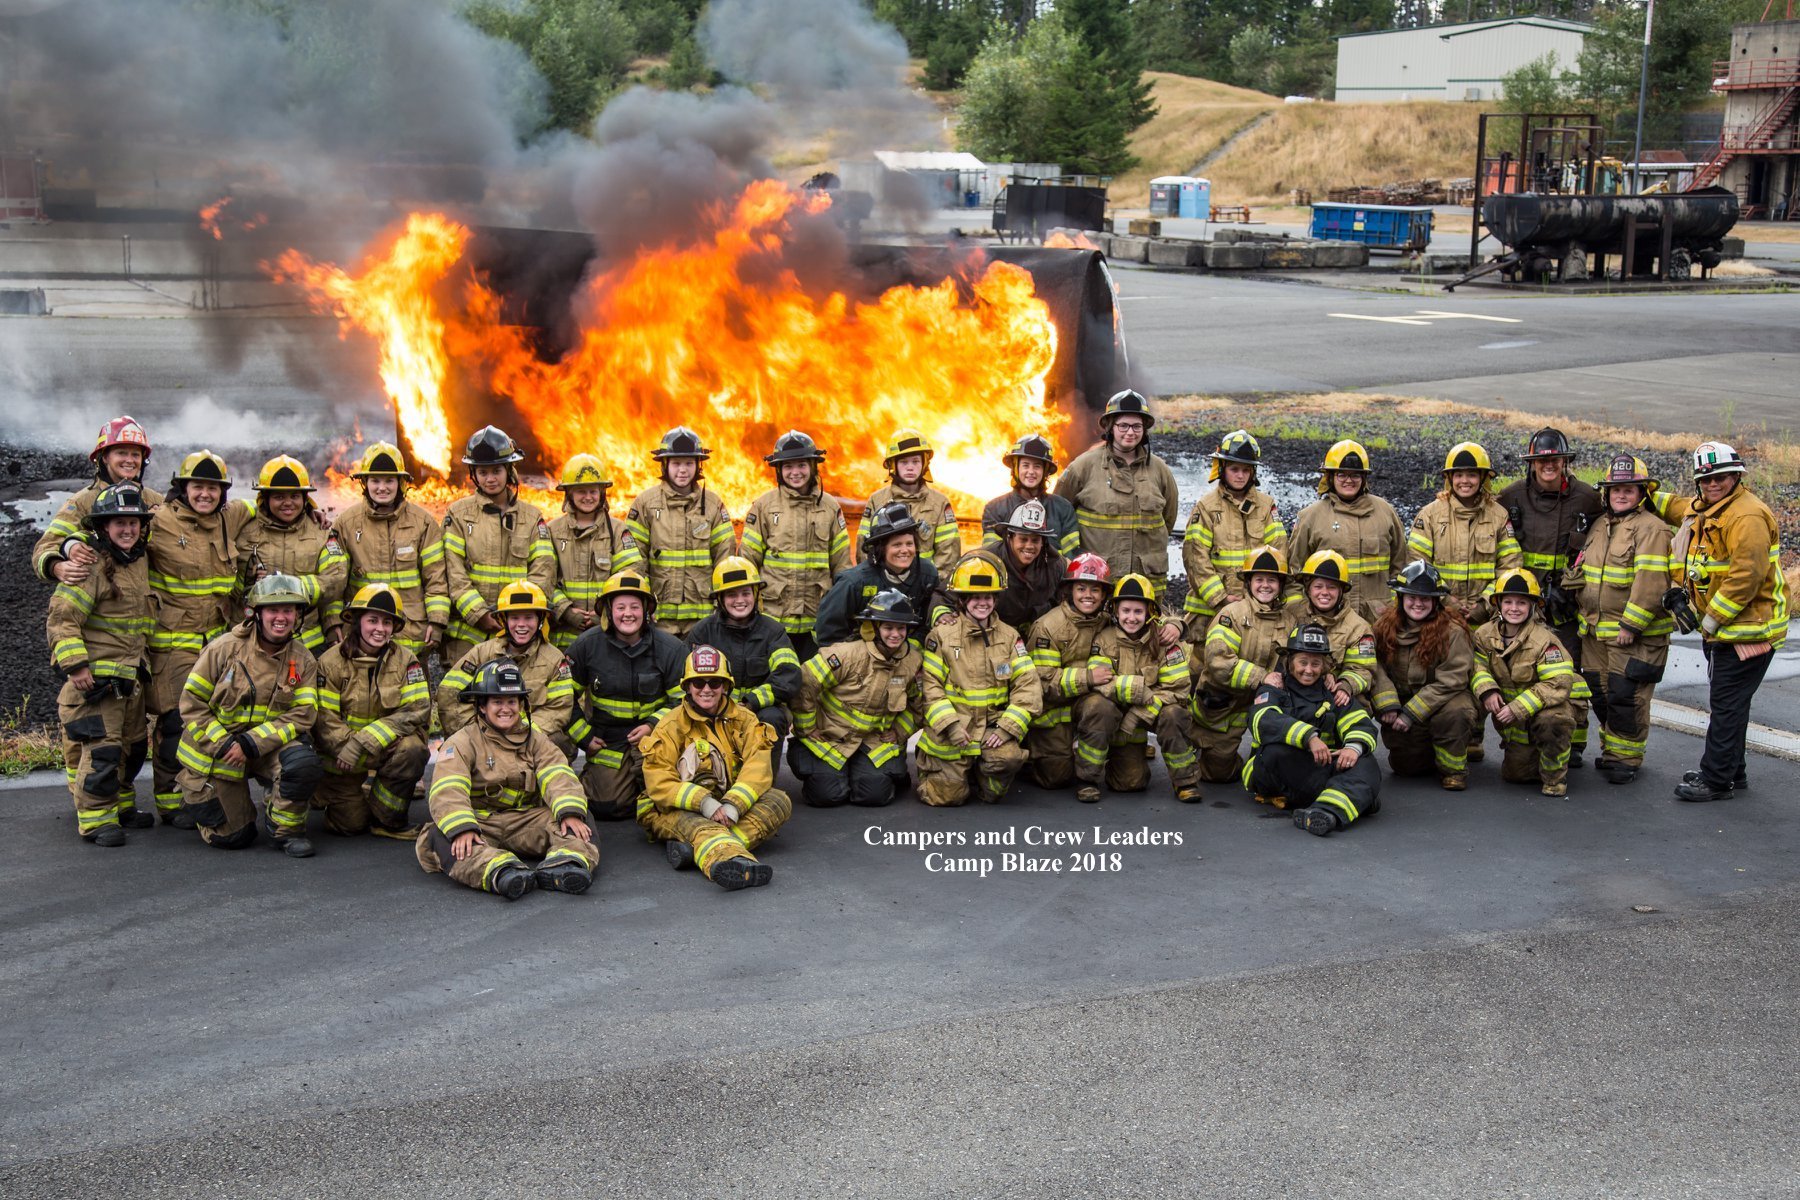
(1637, 153)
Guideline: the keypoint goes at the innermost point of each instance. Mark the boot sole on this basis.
(1317, 823)
(570, 884)
(735, 874)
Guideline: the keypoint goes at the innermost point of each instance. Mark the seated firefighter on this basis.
(249, 702)
(500, 790)
(374, 714)
(1312, 750)
(981, 692)
(1524, 680)
(708, 776)
(1243, 644)
(859, 701)
(1148, 692)
(764, 667)
(524, 639)
(1424, 659)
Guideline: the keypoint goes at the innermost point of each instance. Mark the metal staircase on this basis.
(1774, 129)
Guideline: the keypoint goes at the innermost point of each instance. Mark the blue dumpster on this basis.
(1378, 226)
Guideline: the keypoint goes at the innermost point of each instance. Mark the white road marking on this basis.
(1426, 316)
(1460, 316)
(1509, 345)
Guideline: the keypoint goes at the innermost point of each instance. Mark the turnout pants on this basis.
(860, 781)
(1283, 770)
(397, 771)
(1110, 742)
(220, 802)
(613, 780)
(168, 677)
(1732, 682)
(104, 745)
(1574, 643)
(504, 838)
(1439, 745)
(1537, 749)
(947, 782)
(1219, 739)
(1050, 750)
(714, 843)
(1623, 679)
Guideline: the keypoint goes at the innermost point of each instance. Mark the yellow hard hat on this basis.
(202, 466)
(625, 583)
(376, 598)
(522, 596)
(283, 474)
(905, 442)
(381, 458)
(734, 571)
(706, 662)
(977, 575)
(1328, 565)
(1265, 560)
(1346, 455)
(1136, 587)
(584, 470)
(1468, 456)
(1517, 581)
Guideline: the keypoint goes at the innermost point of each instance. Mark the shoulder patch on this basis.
(1043, 643)
(562, 669)
(415, 674)
(331, 540)
(931, 643)
(447, 751)
(631, 514)
(1367, 643)
(543, 529)
(834, 660)
(1225, 621)
(750, 518)
(1553, 654)
(1018, 646)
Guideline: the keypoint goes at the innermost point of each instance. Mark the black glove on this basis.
(1214, 701)
(1676, 603)
(1559, 606)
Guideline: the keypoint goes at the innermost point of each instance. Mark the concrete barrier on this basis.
(1129, 249)
(1145, 227)
(1233, 257)
(1171, 253)
(1290, 256)
(1338, 255)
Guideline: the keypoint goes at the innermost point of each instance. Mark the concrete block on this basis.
(1732, 247)
(1438, 264)
(1145, 227)
(1226, 237)
(1291, 256)
(1232, 257)
(1339, 255)
(1129, 249)
(1169, 252)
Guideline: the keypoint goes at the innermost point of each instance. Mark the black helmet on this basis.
(680, 442)
(1238, 446)
(500, 677)
(1420, 579)
(1128, 403)
(119, 500)
(1032, 445)
(794, 446)
(1308, 639)
(889, 606)
(1548, 443)
(889, 521)
(490, 447)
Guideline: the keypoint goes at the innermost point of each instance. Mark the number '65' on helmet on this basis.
(706, 662)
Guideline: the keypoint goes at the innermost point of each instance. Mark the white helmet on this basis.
(1716, 458)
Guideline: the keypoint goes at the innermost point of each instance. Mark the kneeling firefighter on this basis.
(1062, 648)
(708, 779)
(1524, 680)
(501, 790)
(524, 638)
(1425, 657)
(1148, 692)
(1242, 646)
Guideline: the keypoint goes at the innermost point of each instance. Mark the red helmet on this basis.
(120, 431)
(1087, 568)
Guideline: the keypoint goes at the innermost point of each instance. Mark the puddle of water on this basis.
(38, 512)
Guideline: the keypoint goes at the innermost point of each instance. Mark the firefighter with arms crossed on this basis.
(683, 530)
(491, 539)
(1125, 497)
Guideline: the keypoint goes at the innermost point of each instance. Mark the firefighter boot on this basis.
(565, 876)
(108, 835)
(131, 817)
(1088, 794)
(512, 881)
(736, 873)
(679, 853)
(1316, 820)
(179, 818)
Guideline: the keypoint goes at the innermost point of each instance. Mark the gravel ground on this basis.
(28, 677)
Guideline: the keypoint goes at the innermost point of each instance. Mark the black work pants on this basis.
(1733, 682)
(859, 781)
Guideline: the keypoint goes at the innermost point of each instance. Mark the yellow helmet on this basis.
(283, 474)
(1328, 565)
(734, 571)
(905, 442)
(584, 470)
(1136, 587)
(522, 595)
(1265, 560)
(381, 458)
(1468, 456)
(1346, 455)
(706, 662)
(202, 466)
(376, 598)
(625, 583)
(1517, 581)
(977, 575)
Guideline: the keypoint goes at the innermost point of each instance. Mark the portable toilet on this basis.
(1196, 198)
(1165, 196)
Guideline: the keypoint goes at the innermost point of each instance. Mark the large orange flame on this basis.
(706, 334)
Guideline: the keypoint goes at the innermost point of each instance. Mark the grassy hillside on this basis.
(1194, 118)
(1319, 146)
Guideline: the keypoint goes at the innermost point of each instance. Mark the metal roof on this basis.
(929, 160)
(1462, 27)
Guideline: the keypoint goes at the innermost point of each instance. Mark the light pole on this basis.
(1637, 153)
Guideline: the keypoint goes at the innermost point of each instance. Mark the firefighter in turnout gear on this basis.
(193, 572)
(524, 640)
(98, 628)
(1032, 461)
(1523, 679)
(1235, 518)
(908, 463)
(1033, 569)
(1062, 646)
(981, 693)
(63, 553)
(761, 659)
(1618, 580)
(491, 539)
(591, 547)
(891, 562)
(859, 702)
(1465, 533)
(1425, 657)
(386, 538)
(1361, 526)
(1551, 512)
(1243, 644)
(374, 714)
(1311, 751)
(502, 790)
(795, 535)
(1125, 497)
(1324, 583)
(683, 530)
(285, 537)
(1725, 568)
(1148, 691)
(249, 703)
(628, 675)
(709, 794)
